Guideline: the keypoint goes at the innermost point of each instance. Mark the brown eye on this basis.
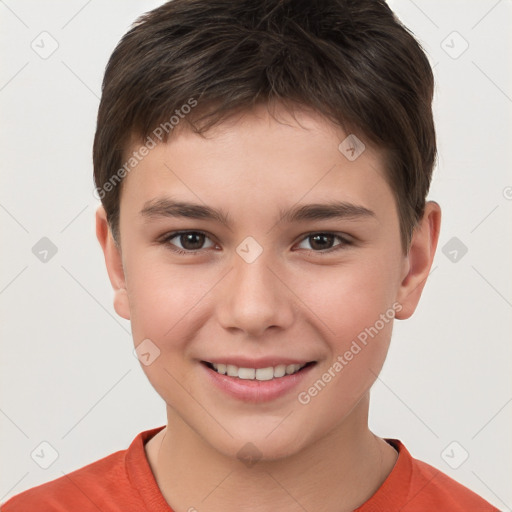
(319, 242)
(188, 241)
(322, 241)
(192, 241)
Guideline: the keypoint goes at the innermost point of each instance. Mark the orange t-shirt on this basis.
(123, 482)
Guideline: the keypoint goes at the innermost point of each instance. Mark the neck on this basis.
(338, 472)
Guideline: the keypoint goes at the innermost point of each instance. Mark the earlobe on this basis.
(114, 264)
(419, 259)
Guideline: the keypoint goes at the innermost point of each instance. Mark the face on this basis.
(258, 248)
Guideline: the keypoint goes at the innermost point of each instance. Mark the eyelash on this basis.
(344, 242)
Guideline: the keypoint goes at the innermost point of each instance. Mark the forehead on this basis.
(261, 160)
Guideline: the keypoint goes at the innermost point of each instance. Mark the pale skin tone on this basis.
(300, 297)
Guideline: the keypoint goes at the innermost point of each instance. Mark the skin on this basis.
(291, 300)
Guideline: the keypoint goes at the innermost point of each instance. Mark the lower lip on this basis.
(256, 391)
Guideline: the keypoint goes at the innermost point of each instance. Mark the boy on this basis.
(263, 168)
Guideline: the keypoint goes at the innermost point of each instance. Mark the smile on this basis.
(269, 373)
(256, 380)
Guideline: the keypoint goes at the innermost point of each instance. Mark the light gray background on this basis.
(68, 374)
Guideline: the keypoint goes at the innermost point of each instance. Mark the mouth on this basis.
(260, 374)
(257, 381)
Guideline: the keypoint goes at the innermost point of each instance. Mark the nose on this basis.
(255, 297)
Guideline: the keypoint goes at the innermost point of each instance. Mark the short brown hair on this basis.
(350, 60)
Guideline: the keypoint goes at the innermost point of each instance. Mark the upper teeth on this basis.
(257, 373)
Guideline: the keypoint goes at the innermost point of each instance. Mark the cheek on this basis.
(163, 298)
(355, 307)
(350, 297)
(357, 311)
(165, 304)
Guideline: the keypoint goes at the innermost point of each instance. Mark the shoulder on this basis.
(111, 484)
(83, 489)
(430, 489)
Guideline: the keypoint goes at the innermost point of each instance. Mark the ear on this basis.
(419, 259)
(114, 263)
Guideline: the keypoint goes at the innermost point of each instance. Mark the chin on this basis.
(253, 445)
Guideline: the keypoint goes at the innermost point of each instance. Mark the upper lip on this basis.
(263, 362)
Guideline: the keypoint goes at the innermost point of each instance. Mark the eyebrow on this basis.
(166, 207)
